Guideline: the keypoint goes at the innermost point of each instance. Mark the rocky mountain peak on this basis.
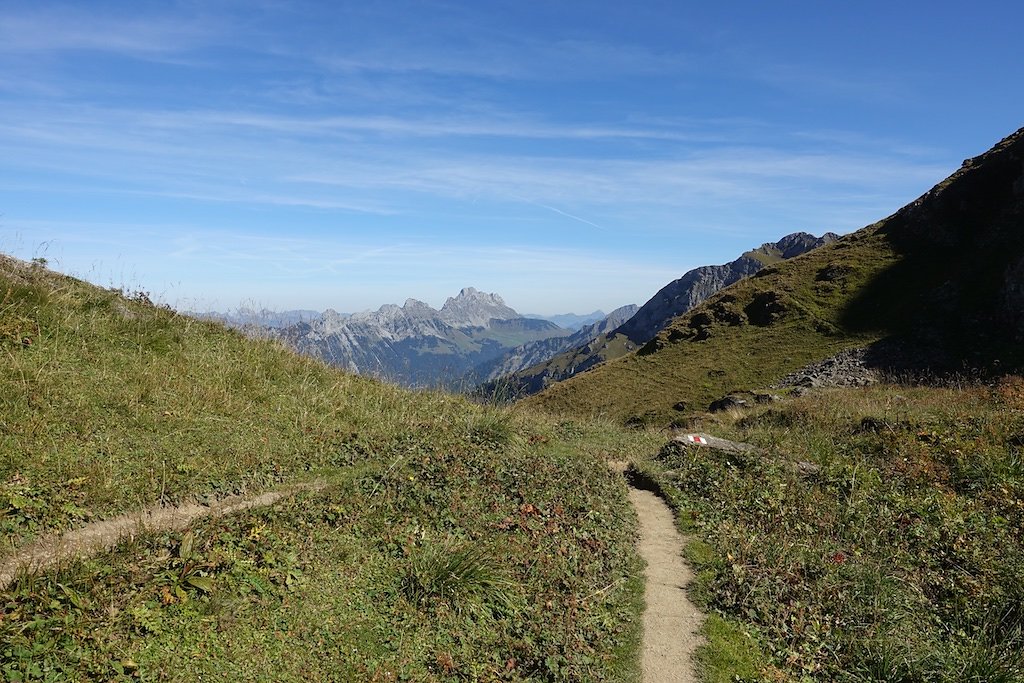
(800, 242)
(330, 320)
(793, 245)
(473, 308)
(417, 307)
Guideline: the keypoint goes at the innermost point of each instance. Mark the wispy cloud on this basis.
(507, 57)
(566, 214)
(498, 125)
(814, 82)
(69, 28)
(381, 164)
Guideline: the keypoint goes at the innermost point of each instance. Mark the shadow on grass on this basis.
(953, 300)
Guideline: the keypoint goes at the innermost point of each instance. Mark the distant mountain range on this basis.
(250, 317)
(416, 345)
(571, 321)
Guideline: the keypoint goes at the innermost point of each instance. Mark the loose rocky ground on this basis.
(847, 369)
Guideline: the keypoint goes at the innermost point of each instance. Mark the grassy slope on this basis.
(900, 559)
(703, 355)
(452, 542)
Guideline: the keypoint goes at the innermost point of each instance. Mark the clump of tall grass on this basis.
(463, 576)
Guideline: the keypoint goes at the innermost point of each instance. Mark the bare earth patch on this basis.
(105, 534)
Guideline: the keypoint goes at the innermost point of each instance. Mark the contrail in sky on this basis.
(564, 213)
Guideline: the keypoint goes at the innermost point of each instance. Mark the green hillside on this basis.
(941, 279)
(441, 541)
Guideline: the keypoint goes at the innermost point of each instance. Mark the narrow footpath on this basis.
(671, 622)
(103, 535)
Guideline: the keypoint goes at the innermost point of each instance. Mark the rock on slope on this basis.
(674, 299)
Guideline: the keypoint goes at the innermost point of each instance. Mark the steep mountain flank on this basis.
(414, 344)
(961, 258)
(940, 282)
(674, 299)
(534, 352)
(697, 285)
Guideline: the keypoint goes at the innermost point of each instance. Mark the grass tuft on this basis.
(462, 576)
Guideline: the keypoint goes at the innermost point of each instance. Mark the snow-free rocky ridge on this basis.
(676, 298)
(414, 344)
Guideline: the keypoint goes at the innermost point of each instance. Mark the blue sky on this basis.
(567, 154)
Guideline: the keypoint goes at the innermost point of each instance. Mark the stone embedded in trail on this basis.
(713, 442)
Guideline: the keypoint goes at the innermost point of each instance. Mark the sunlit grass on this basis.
(446, 540)
(874, 537)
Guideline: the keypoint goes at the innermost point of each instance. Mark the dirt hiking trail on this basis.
(103, 535)
(671, 622)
